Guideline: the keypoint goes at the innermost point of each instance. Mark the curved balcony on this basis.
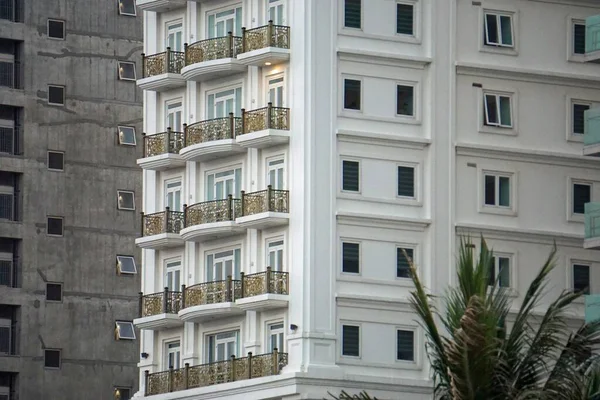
(162, 71)
(264, 209)
(234, 369)
(264, 127)
(212, 58)
(264, 290)
(161, 151)
(210, 300)
(160, 5)
(159, 310)
(161, 230)
(211, 219)
(265, 45)
(213, 138)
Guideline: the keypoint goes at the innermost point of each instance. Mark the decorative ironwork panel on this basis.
(262, 365)
(255, 284)
(178, 380)
(280, 118)
(213, 129)
(237, 289)
(279, 282)
(255, 203)
(173, 302)
(157, 383)
(279, 201)
(210, 374)
(154, 224)
(176, 62)
(175, 222)
(258, 38)
(283, 360)
(208, 212)
(162, 143)
(213, 49)
(241, 369)
(266, 118)
(280, 37)
(152, 304)
(155, 64)
(207, 293)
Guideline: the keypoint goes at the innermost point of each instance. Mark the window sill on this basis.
(397, 37)
(356, 361)
(497, 211)
(577, 218)
(576, 58)
(574, 137)
(498, 131)
(394, 120)
(507, 51)
(355, 278)
(396, 201)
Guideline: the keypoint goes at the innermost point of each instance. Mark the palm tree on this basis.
(474, 356)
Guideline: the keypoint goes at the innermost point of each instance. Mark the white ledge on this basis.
(158, 322)
(266, 301)
(211, 150)
(162, 82)
(212, 69)
(161, 162)
(211, 230)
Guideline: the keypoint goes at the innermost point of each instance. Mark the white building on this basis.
(392, 124)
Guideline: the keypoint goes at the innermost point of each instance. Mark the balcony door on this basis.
(173, 195)
(222, 346)
(275, 255)
(222, 184)
(173, 351)
(276, 337)
(175, 36)
(275, 94)
(221, 23)
(173, 275)
(276, 174)
(223, 264)
(275, 11)
(174, 113)
(220, 104)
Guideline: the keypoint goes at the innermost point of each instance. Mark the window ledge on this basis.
(577, 218)
(497, 210)
(396, 37)
(576, 58)
(395, 120)
(507, 51)
(498, 131)
(395, 201)
(574, 137)
(357, 361)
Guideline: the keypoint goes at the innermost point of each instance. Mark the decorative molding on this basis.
(379, 58)
(382, 139)
(373, 303)
(519, 234)
(382, 221)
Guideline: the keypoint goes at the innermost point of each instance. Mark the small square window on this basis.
(126, 265)
(351, 340)
(498, 30)
(127, 135)
(402, 263)
(127, 7)
(56, 29)
(578, 111)
(56, 95)
(56, 160)
(405, 345)
(352, 94)
(126, 71)
(124, 330)
(350, 258)
(352, 13)
(350, 176)
(52, 358)
(53, 291)
(405, 100)
(499, 269)
(578, 38)
(54, 226)
(497, 110)
(125, 200)
(582, 193)
(122, 393)
(581, 278)
(406, 182)
(405, 24)
(497, 190)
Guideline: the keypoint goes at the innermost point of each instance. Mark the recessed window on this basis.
(56, 160)
(498, 110)
(402, 263)
(578, 38)
(56, 95)
(498, 30)
(127, 7)
(56, 29)
(52, 358)
(350, 258)
(54, 291)
(127, 135)
(405, 100)
(126, 265)
(405, 345)
(351, 340)
(350, 176)
(352, 13)
(124, 330)
(499, 269)
(126, 200)
(405, 24)
(352, 94)
(54, 226)
(578, 111)
(582, 193)
(406, 182)
(126, 71)
(581, 278)
(497, 190)
(122, 393)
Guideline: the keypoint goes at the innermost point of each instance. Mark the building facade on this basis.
(69, 106)
(295, 151)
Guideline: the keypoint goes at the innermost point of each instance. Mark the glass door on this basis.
(175, 36)
(222, 184)
(275, 174)
(173, 275)
(275, 255)
(275, 95)
(173, 355)
(174, 114)
(221, 23)
(275, 12)
(219, 105)
(276, 338)
(173, 195)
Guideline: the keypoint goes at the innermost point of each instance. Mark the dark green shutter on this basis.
(579, 39)
(404, 19)
(406, 181)
(350, 341)
(406, 345)
(350, 257)
(352, 13)
(350, 176)
(402, 266)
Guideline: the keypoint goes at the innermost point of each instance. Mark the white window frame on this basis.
(351, 159)
(64, 30)
(342, 8)
(414, 260)
(276, 3)
(168, 351)
(120, 271)
(64, 96)
(416, 12)
(571, 216)
(276, 85)
(415, 87)
(120, 70)
(120, 194)
(222, 178)
(360, 338)
(62, 226)
(510, 257)
(571, 120)
(495, 209)
(127, 14)
(48, 160)
(499, 14)
(274, 245)
(498, 96)
(281, 165)
(118, 330)
(279, 332)
(343, 94)
(223, 260)
(571, 56)
(172, 27)
(173, 106)
(121, 129)
(360, 255)
(237, 339)
(233, 8)
(171, 191)
(416, 176)
(497, 177)
(171, 267)
(414, 331)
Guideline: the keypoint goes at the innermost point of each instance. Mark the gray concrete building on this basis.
(70, 196)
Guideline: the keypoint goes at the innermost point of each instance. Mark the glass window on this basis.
(582, 194)
(53, 291)
(499, 269)
(350, 176)
(126, 265)
(173, 275)
(54, 226)
(402, 263)
(275, 12)
(498, 110)
(352, 13)
(126, 71)
(350, 257)
(581, 278)
(276, 174)
(498, 30)
(275, 255)
(222, 184)
(56, 29)
(127, 7)
(173, 351)
(56, 95)
(405, 100)
(579, 118)
(223, 264)
(56, 160)
(173, 195)
(405, 19)
(125, 330)
(222, 346)
(126, 200)
(223, 22)
(350, 340)
(276, 337)
(127, 135)
(352, 89)
(52, 358)
(497, 190)
(406, 182)
(405, 345)
(578, 38)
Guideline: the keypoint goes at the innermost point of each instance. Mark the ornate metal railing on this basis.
(161, 222)
(165, 302)
(213, 49)
(163, 143)
(265, 36)
(212, 211)
(265, 200)
(235, 369)
(211, 130)
(211, 292)
(268, 117)
(265, 282)
(162, 63)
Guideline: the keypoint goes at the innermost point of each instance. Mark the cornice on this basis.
(382, 221)
(380, 58)
(519, 234)
(383, 139)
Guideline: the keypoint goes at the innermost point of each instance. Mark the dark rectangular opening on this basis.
(56, 29)
(55, 226)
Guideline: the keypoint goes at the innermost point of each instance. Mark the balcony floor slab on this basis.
(263, 139)
(263, 220)
(207, 312)
(161, 162)
(160, 241)
(158, 322)
(261, 57)
(211, 150)
(213, 230)
(162, 82)
(593, 57)
(212, 69)
(592, 243)
(592, 150)
(267, 301)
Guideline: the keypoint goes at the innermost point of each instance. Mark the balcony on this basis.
(211, 219)
(162, 71)
(591, 137)
(264, 209)
(265, 45)
(235, 369)
(264, 291)
(592, 226)
(161, 230)
(592, 308)
(592, 39)
(213, 138)
(265, 127)
(160, 5)
(210, 300)
(212, 58)
(161, 151)
(159, 310)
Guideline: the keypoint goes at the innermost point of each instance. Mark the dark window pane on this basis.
(351, 94)
(405, 100)
(5, 340)
(55, 226)
(404, 19)
(127, 7)
(504, 272)
(350, 175)
(52, 358)
(581, 195)
(56, 160)
(56, 95)
(579, 39)
(490, 190)
(125, 394)
(126, 265)
(6, 268)
(581, 278)
(406, 181)
(402, 265)
(492, 29)
(406, 345)
(579, 117)
(126, 200)
(350, 341)
(56, 29)
(126, 71)
(350, 257)
(352, 13)
(54, 292)
(125, 330)
(492, 272)
(490, 110)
